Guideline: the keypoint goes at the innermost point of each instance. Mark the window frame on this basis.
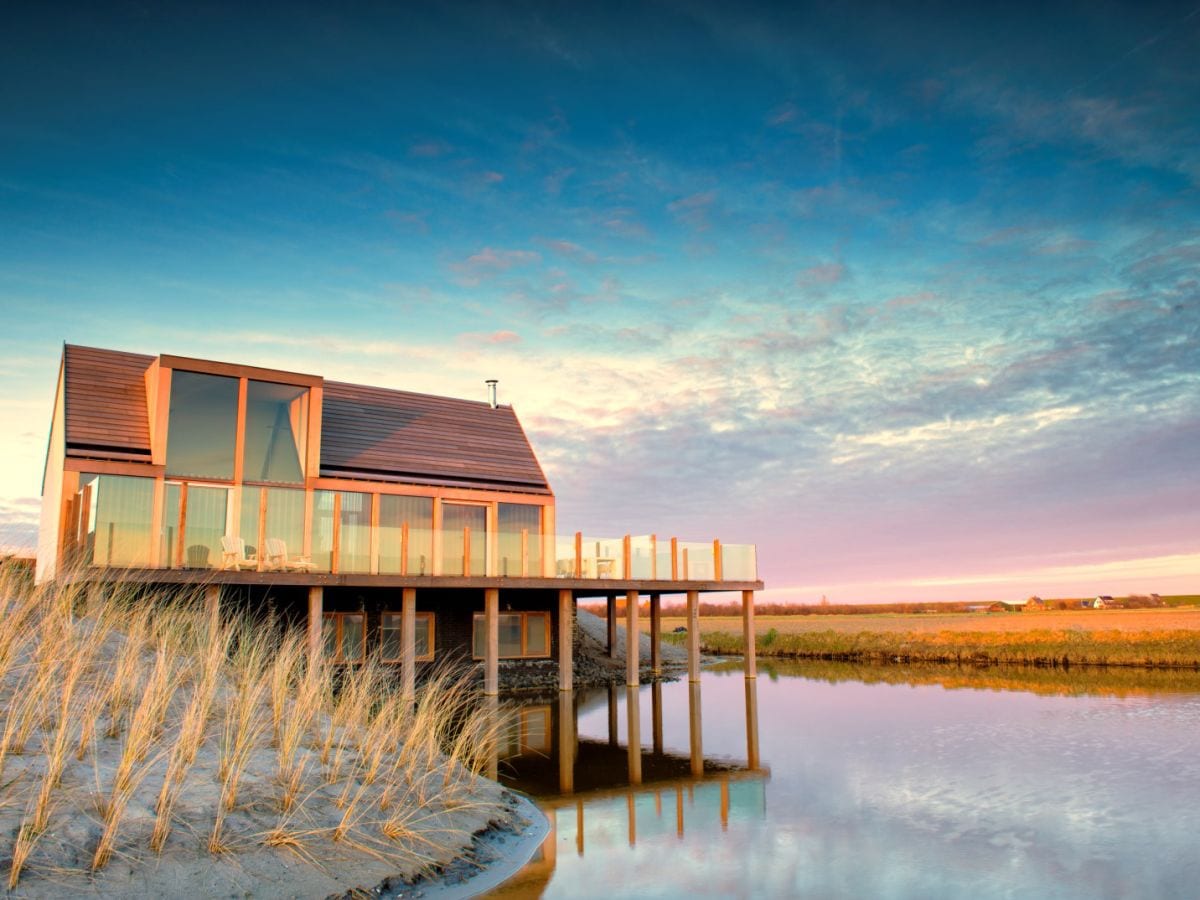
(524, 615)
(428, 616)
(339, 657)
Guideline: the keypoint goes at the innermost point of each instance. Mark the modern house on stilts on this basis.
(421, 527)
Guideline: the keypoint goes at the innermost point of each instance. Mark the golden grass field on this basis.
(1125, 620)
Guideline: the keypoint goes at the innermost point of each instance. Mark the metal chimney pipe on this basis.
(491, 388)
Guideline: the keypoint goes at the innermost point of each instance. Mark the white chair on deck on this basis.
(277, 558)
(233, 554)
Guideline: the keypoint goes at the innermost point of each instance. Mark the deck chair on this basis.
(277, 559)
(233, 554)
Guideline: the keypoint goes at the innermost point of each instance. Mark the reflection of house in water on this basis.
(597, 785)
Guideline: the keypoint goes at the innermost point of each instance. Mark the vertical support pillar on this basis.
(408, 643)
(695, 729)
(566, 742)
(748, 633)
(579, 827)
(491, 705)
(316, 613)
(632, 815)
(611, 601)
(693, 635)
(656, 634)
(566, 640)
(212, 605)
(632, 639)
(633, 725)
(491, 657)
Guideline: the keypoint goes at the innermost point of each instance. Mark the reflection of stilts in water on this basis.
(656, 716)
(612, 716)
(696, 731)
(567, 744)
(752, 723)
(634, 732)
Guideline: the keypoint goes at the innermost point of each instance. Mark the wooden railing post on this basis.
(627, 557)
(524, 552)
(335, 556)
(717, 560)
(466, 566)
(579, 554)
(685, 565)
(403, 548)
(183, 500)
(674, 559)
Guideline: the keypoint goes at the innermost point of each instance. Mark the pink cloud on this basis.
(489, 262)
(822, 275)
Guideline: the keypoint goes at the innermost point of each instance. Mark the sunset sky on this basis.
(909, 300)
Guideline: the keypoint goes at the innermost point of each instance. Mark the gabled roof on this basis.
(105, 402)
(366, 432)
(402, 436)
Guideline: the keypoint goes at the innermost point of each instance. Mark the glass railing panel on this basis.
(641, 556)
(739, 562)
(564, 555)
(603, 557)
(662, 557)
(696, 561)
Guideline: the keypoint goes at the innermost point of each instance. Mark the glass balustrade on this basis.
(200, 525)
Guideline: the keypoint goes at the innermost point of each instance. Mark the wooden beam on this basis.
(466, 560)
(632, 636)
(239, 443)
(404, 547)
(748, 633)
(316, 612)
(674, 559)
(179, 542)
(566, 640)
(579, 554)
(626, 557)
(491, 658)
(212, 605)
(693, 635)
(716, 560)
(656, 634)
(408, 643)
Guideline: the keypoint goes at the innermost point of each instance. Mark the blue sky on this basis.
(908, 298)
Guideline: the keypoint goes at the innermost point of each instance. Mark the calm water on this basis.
(867, 783)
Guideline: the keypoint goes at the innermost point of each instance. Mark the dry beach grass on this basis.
(1144, 637)
(148, 748)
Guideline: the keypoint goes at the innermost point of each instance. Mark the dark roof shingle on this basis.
(106, 400)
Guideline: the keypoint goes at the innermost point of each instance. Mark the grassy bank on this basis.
(147, 749)
(1032, 646)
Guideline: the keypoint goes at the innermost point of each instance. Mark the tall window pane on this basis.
(394, 512)
(512, 520)
(204, 526)
(119, 521)
(535, 635)
(354, 530)
(456, 517)
(202, 428)
(276, 429)
(284, 520)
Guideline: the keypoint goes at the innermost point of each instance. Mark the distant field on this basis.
(1118, 637)
(1125, 620)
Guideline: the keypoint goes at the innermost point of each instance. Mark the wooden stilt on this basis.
(611, 601)
(316, 613)
(632, 639)
(212, 604)
(656, 716)
(566, 640)
(693, 635)
(566, 741)
(408, 643)
(656, 634)
(748, 633)
(695, 729)
(752, 723)
(491, 658)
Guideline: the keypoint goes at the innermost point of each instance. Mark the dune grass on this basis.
(136, 725)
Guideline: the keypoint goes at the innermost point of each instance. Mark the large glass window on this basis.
(520, 538)
(119, 519)
(202, 429)
(202, 513)
(284, 519)
(276, 429)
(342, 519)
(391, 636)
(462, 524)
(394, 513)
(522, 634)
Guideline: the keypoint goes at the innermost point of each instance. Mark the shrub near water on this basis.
(138, 726)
